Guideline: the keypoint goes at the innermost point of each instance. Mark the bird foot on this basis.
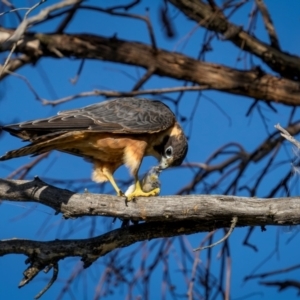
(138, 192)
(120, 193)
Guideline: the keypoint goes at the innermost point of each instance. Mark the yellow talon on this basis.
(138, 192)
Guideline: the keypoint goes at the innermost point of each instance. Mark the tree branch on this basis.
(281, 62)
(43, 255)
(268, 23)
(253, 83)
(213, 210)
(27, 22)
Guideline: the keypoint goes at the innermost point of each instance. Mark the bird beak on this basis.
(163, 163)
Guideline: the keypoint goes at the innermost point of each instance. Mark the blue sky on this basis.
(210, 129)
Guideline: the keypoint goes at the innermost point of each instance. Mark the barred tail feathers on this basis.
(27, 150)
(42, 145)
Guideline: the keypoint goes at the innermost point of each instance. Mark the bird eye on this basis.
(169, 151)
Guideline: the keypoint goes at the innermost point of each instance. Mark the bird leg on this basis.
(111, 179)
(138, 192)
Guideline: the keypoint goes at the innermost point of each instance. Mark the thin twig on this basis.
(11, 42)
(125, 7)
(27, 22)
(68, 18)
(145, 77)
(13, 10)
(108, 93)
(14, 64)
(75, 79)
(54, 277)
(27, 167)
(268, 23)
(146, 19)
(232, 226)
(30, 86)
(271, 273)
(287, 136)
(8, 58)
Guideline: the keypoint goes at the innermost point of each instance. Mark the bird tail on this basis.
(27, 150)
(43, 144)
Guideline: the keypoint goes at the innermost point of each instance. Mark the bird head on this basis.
(174, 149)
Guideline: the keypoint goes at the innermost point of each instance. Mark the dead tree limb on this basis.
(214, 210)
(252, 83)
(283, 63)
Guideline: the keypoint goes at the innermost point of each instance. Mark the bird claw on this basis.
(140, 193)
(120, 193)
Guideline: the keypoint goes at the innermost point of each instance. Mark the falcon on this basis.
(108, 134)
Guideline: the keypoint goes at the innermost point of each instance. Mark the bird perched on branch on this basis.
(109, 134)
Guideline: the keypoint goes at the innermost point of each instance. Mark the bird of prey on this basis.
(109, 134)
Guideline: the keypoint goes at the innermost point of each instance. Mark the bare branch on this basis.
(13, 9)
(282, 285)
(13, 43)
(271, 273)
(281, 62)
(54, 277)
(16, 63)
(123, 94)
(287, 136)
(214, 211)
(253, 83)
(268, 23)
(13, 40)
(144, 78)
(233, 224)
(27, 22)
(44, 254)
(68, 17)
(112, 11)
(25, 169)
(25, 79)
(238, 161)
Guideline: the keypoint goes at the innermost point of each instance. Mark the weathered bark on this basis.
(165, 217)
(213, 211)
(253, 83)
(285, 64)
(43, 255)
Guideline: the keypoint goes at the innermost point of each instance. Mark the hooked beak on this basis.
(163, 163)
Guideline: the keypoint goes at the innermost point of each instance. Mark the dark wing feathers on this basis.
(121, 115)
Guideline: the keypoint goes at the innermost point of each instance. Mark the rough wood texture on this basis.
(254, 83)
(213, 210)
(165, 217)
(43, 255)
(281, 62)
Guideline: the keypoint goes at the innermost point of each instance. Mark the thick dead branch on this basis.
(213, 210)
(253, 83)
(43, 255)
(281, 62)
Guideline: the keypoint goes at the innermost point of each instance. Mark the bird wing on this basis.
(120, 115)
